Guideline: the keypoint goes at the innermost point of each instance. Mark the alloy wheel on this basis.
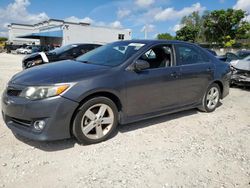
(97, 121)
(212, 98)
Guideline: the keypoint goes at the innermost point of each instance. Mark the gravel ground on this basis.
(186, 149)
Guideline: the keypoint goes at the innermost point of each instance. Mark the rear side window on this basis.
(188, 54)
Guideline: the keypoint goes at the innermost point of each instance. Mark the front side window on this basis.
(158, 56)
(111, 54)
(187, 54)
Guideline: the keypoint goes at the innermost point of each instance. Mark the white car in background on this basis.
(26, 50)
(241, 63)
(241, 72)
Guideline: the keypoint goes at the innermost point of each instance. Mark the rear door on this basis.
(196, 72)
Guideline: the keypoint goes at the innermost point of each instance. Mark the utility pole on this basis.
(146, 31)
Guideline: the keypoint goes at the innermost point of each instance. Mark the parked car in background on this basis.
(241, 72)
(70, 51)
(10, 47)
(24, 50)
(243, 53)
(121, 82)
(36, 49)
(211, 51)
(228, 57)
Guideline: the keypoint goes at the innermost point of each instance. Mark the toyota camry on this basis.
(117, 83)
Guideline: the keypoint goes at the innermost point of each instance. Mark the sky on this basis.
(159, 16)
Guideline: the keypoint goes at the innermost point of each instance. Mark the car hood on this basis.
(58, 72)
(31, 56)
(241, 65)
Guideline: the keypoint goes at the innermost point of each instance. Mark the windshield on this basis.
(243, 54)
(62, 49)
(111, 54)
(247, 58)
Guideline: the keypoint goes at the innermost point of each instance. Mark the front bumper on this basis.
(241, 80)
(19, 115)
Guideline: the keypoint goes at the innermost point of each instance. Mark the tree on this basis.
(228, 42)
(223, 25)
(193, 28)
(165, 36)
(194, 20)
(3, 39)
(187, 33)
(243, 31)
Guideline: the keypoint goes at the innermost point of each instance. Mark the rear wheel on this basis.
(211, 98)
(95, 120)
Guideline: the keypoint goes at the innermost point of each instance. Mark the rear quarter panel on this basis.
(223, 74)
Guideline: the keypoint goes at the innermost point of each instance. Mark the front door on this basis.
(155, 88)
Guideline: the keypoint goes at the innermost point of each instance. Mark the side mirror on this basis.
(140, 65)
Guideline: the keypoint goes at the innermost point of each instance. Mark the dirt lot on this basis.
(187, 149)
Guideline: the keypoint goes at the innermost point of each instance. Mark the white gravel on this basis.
(187, 149)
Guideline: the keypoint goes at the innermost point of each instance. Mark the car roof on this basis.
(158, 41)
(244, 51)
(80, 44)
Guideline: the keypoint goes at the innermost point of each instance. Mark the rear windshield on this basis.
(63, 49)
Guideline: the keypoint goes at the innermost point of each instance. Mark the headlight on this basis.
(42, 92)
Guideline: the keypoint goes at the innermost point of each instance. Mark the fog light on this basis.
(39, 125)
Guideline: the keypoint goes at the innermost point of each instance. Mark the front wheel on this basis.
(211, 98)
(95, 120)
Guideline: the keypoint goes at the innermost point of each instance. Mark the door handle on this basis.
(209, 69)
(174, 74)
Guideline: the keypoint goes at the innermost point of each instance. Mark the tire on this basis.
(95, 121)
(211, 100)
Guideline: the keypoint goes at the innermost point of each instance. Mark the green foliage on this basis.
(219, 26)
(194, 20)
(165, 36)
(222, 23)
(228, 42)
(3, 39)
(243, 32)
(187, 33)
(193, 28)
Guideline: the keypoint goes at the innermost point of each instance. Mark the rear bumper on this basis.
(226, 85)
(19, 115)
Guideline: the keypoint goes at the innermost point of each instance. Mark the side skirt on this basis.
(126, 120)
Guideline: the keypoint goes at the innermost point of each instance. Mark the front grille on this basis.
(13, 92)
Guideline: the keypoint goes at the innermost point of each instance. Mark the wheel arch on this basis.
(110, 95)
(107, 94)
(219, 83)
